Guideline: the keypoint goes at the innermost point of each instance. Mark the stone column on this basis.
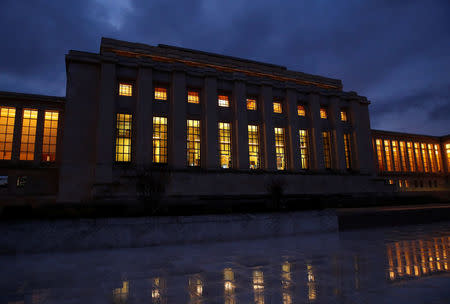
(177, 121)
(338, 148)
(144, 117)
(17, 134)
(105, 123)
(359, 115)
(268, 129)
(240, 127)
(316, 132)
(40, 135)
(293, 137)
(209, 128)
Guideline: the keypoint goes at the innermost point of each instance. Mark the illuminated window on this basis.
(277, 108)
(224, 101)
(193, 143)
(412, 164)
(432, 158)
(7, 118)
(343, 115)
(426, 164)
(387, 155)
(403, 155)
(348, 151)
(379, 154)
(304, 152)
(28, 139)
(438, 158)
(406, 183)
(280, 148)
(228, 278)
(50, 136)
(301, 110)
(123, 137)
(253, 146)
(251, 104)
(326, 149)
(193, 97)
(418, 158)
(225, 144)
(160, 93)
(125, 89)
(160, 139)
(120, 295)
(323, 113)
(447, 151)
(396, 155)
(258, 286)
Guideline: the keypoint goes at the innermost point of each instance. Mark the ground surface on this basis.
(406, 264)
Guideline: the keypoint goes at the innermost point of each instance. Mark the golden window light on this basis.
(7, 119)
(123, 137)
(28, 138)
(253, 146)
(387, 155)
(160, 139)
(347, 150)
(326, 149)
(160, 93)
(193, 97)
(304, 149)
(432, 158)
(225, 145)
(426, 163)
(418, 157)
(251, 104)
(280, 151)
(277, 108)
(396, 155)
(438, 157)
(412, 163)
(447, 151)
(125, 89)
(379, 149)
(223, 101)
(323, 113)
(50, 136)
(344, 115)
(403, 155)
(301, 110)
(193, 143)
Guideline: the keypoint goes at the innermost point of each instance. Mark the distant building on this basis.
(221, 126)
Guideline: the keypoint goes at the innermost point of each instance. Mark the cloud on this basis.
(395, 53)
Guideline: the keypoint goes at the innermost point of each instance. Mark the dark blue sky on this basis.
(398, 55)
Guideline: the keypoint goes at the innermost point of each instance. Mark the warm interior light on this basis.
(223, 101)
(125, 89)
(160, 93)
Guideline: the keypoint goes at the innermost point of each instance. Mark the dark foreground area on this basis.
(204, 205)
(408, 264)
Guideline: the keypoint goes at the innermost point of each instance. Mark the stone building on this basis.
(204, 125)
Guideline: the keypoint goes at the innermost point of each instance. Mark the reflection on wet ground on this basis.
(401, 264)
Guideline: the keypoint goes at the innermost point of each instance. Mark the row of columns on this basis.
(209, 125)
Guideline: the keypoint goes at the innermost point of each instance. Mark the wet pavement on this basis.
(407, 264)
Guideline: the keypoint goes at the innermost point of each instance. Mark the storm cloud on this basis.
(397, 53)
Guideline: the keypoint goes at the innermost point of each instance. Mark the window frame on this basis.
(195, 150)
(223, 94)
(277, 102)
(193, 91)
(163, 148)
(303, 109)
(56, 136)
(160, 86)
(131, 137)
(126, 83)
(323, 109)
(247, 103)
(228, 146)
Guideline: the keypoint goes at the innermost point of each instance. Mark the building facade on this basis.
(203, 124)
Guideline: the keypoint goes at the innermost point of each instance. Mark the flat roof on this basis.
(34, 97)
